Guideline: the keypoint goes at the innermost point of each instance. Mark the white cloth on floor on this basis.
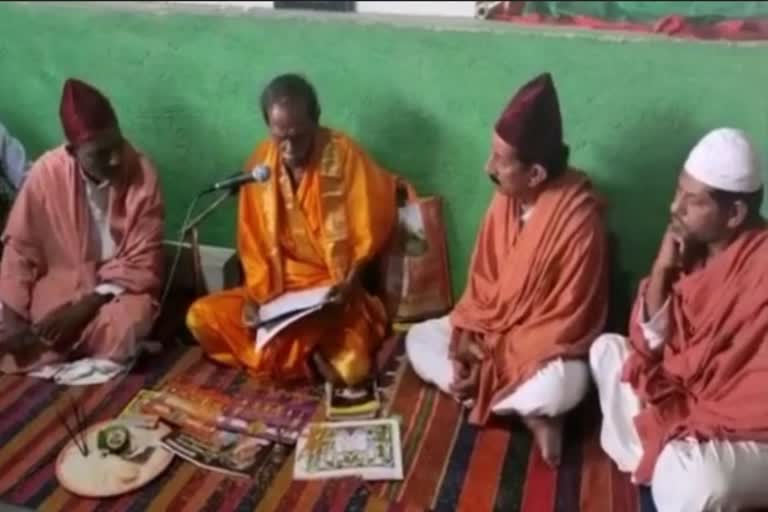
(83, 372)
(555, 389)
(90, 371)
(689, 476)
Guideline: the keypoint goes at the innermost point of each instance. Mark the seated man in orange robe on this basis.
(517, 341)
(683, 398)
(83, 260)
(326, 210)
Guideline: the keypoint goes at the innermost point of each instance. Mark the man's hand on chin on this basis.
(65, 324)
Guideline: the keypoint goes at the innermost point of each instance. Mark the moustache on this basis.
(682, 230)
(678, 224)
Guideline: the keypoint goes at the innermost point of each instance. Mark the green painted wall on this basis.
(422, 101)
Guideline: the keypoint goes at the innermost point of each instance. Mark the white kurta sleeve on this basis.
(655, 329)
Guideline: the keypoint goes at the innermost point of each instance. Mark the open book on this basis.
(279, 313)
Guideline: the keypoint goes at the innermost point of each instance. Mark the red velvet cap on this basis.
(84, 111)
(531, 121)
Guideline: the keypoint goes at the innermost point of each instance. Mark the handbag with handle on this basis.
(416, 273)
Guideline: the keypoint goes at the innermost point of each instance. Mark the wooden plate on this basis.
(98, 476)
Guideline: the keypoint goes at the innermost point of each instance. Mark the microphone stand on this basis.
(187, 227)
(192, 224)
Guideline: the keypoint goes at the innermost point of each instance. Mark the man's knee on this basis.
(686, 481)
(119, 327)
(195, 315)
(427, 337)
(415, 351)
(412, 349)
(426, 346)
(574, 386)
(129, 311)
(554, 390)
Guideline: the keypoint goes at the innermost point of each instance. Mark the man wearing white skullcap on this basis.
(683, 397)
(725, 159)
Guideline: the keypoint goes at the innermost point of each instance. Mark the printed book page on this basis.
(279, 313)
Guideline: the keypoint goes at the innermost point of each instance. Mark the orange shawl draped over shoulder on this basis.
(709, 380)
(48, 256)
(537, 292)
(340, 216)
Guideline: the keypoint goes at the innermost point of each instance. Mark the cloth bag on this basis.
(417, 280)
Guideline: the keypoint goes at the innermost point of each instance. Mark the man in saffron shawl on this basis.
(517, 341)
(683, 398)
(325, 212)
(83, 259)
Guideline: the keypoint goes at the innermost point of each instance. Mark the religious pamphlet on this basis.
(283, 412)
(237, 435)
(134, 406)
(243, 456)
(268, 413)
(276, 315)
(368, 449)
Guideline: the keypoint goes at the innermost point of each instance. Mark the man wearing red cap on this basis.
(83, 260)
(517, 341)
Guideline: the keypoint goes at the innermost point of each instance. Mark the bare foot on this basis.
(548, 433)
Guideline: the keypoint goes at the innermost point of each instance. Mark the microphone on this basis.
(258, 174)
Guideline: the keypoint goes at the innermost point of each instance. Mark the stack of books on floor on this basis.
(352, 443)
(352, 403)
(238, 435)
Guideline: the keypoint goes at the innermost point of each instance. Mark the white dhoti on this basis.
(689, 476)
(556, 388)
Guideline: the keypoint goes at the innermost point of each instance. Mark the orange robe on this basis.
(339, 217)
(536, 292)
(710, 378)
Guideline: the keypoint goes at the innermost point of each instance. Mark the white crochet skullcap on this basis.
(726, 159)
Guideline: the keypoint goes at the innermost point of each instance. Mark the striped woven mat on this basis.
(449, 465)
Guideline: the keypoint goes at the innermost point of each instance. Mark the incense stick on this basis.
(72, 435)
(80, 419)
(77, 435)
